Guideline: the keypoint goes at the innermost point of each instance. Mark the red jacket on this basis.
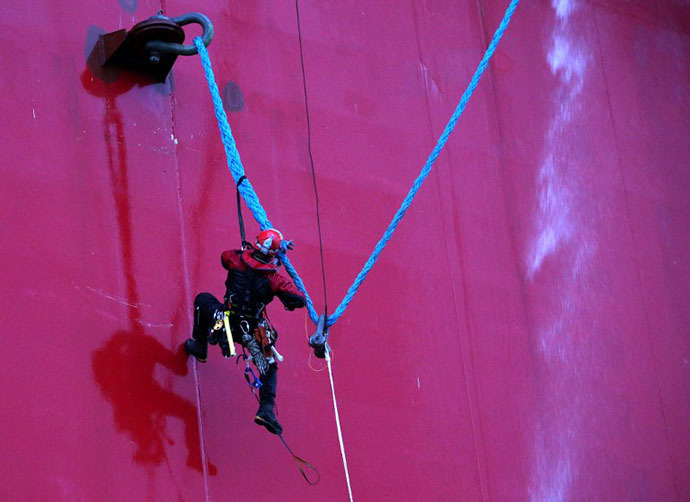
(251, 282)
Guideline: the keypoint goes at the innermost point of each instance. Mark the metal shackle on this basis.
(180, 49)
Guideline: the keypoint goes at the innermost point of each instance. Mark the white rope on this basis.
(337, 422)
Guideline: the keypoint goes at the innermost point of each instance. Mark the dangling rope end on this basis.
(337, 421)
(303, 465)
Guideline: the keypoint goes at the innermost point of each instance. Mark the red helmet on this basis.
(268, 242)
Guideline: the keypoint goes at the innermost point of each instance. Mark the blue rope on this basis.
(252, 200)
(237, 170)
(427, 167)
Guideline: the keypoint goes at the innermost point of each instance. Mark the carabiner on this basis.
(251, 378)
(244, 326)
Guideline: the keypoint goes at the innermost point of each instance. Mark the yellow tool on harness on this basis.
(228, 333)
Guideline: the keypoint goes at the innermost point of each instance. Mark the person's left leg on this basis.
(265, 416)
(205, 307)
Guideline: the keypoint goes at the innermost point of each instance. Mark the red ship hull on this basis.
(524, 336)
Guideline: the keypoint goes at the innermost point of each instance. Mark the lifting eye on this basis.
(150, 47)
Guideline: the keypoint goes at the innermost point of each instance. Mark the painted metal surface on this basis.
(524, 337)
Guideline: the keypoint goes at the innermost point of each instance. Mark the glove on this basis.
(286, 246)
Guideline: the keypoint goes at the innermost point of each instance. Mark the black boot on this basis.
(196, 349)
(267, 393)
(197, 346)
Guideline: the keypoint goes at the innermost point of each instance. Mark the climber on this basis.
(253, 281)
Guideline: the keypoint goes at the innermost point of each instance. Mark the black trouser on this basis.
(205, 306)
(269, 387)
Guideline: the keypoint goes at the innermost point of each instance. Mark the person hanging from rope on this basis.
(252, 283)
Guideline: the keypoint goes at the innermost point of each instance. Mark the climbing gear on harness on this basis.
(257, 354)
(268, 242)
(221, 334)
(266, 336)
(319, 340)
(249, 375)
(228, 334)
(218, 316)
(150, 47)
